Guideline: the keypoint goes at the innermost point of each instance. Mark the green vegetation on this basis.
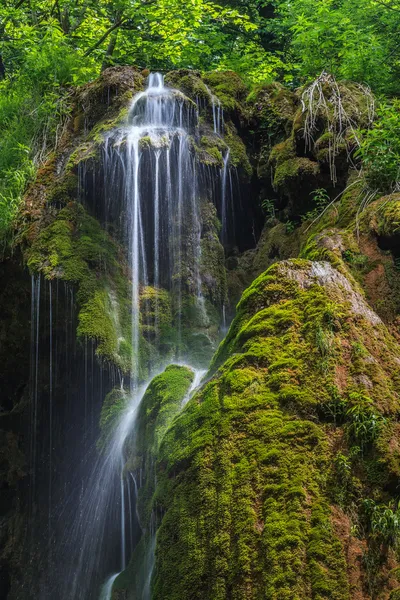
(47, 47)
(244, 470)
(74, 248)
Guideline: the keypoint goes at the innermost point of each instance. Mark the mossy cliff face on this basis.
(250, 478)
(65, 236)
(305, 139)
(223, 94)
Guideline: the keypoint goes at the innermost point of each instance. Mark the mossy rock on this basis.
(245, 469)
(228, 87)
(272, 107)
(291, 172)
(114, 405)
(212, 257)
(106, 96)
(383, 217)
(189, 82)
(238, 154)
(161, 403)
(75, 249)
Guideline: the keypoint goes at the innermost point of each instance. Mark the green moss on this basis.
(238, 155)
(244, 468)
(189, 82)
(228, 87)
(273, 106)
(75, 249)
(161, 402)
(155, 311)
(383, 216)
(282, 152)
(291, 172)
(114, 404)
(212, 257)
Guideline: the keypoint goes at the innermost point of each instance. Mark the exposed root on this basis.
(368, 196)
(325, 99)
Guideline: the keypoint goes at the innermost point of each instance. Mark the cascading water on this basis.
(153, 188)
(159, 197)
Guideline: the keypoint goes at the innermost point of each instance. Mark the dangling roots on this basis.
(323, 98)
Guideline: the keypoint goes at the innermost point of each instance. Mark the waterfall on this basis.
(153, 186)
(153, 155)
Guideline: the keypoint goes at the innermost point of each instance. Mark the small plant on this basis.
(342, 480)
(335, 409)
(364, 422)
(343, 466)
(355, 258)
(268, 207)
(290, 226)
(320, 199)
(323, 341)
(383, 522)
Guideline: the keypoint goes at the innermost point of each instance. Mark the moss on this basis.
(275, 244)
(243, 471)
(155, 310)
(103, 100)
(189, 82)
(273, 107)
(212, 257)
(383, 216)
(113, 405)
(228, 87)
(282, 152)
(238, 155)
(75, 249)
(289, 173)
(161, 402)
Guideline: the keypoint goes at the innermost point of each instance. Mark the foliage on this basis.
(383, 522)
(320, 199)
(268, 207)
(380, 149)
(352, 39)
(47, 47)
(364, 422)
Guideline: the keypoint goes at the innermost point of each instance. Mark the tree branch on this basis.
(104, 37)
(386, 5)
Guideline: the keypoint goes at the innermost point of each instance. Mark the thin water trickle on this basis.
(224, 207)
(106, 590)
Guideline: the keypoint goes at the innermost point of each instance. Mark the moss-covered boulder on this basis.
(249, 475)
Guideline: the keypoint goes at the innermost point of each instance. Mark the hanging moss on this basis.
(238, 155)
(113, 405)
(74, 248)
(212, 257)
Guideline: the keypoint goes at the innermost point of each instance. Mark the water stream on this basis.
(152, 189)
